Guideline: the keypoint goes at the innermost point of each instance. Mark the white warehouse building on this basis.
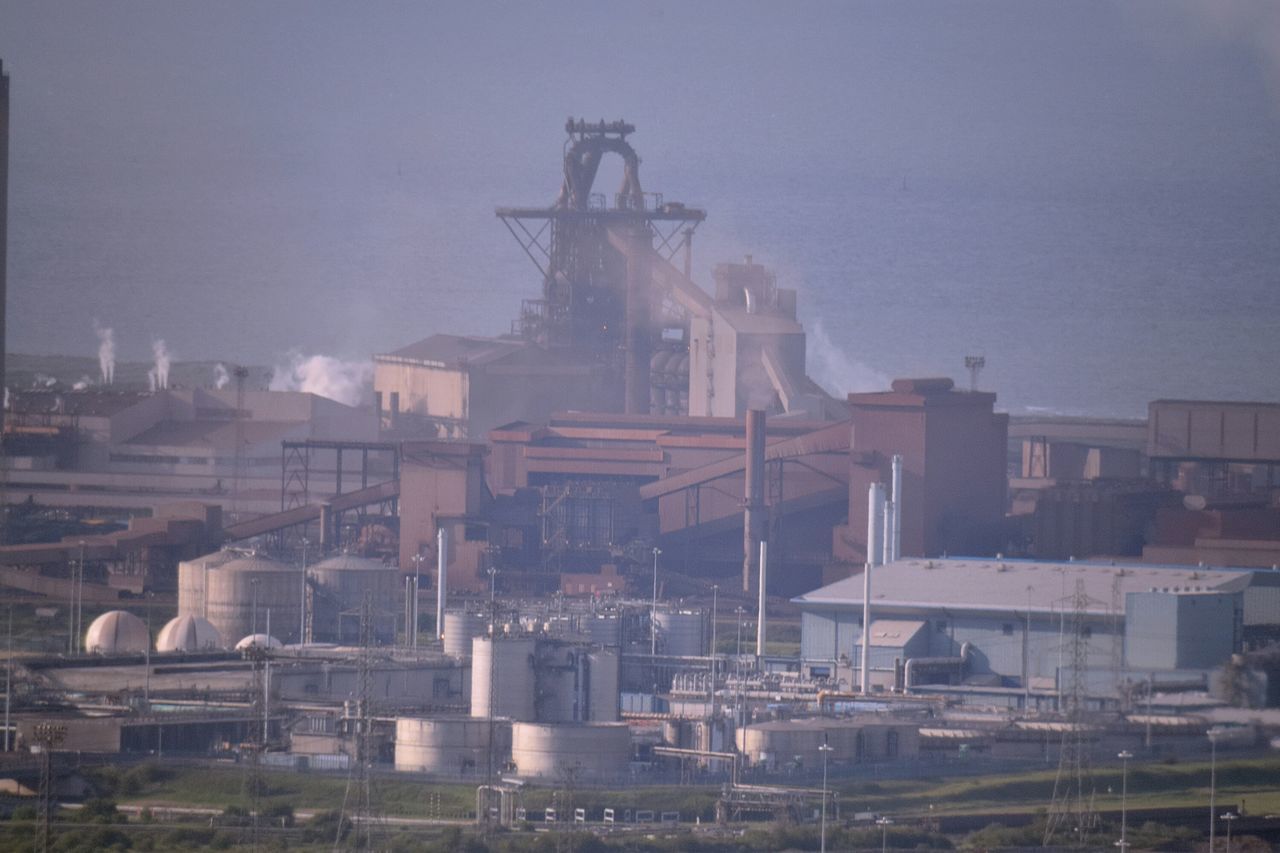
(1006, 629)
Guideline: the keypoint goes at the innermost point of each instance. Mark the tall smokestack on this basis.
(760, 606)
(875, 505)
(442, 578)
(753, 521)
(637, 342)
(897, 506)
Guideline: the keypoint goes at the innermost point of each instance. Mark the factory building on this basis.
(1007, 625)
(953, 446)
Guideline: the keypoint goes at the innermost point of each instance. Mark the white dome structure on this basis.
(117, 632)
(188, 633)
(265, 641)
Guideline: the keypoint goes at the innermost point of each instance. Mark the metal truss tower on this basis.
(1072, 807)
(358, 801)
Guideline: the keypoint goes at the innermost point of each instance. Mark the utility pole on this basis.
(653, 611)
(302, 612)
(48, 735)
(8, 680)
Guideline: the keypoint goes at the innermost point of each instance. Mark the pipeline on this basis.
(912, 664)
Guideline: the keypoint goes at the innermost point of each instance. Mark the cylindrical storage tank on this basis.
(602, 689)
(592, 751)
(250, 584)
(604, 629)
(507, 665)
(453, 746)
(188, 633)
(460, 628)
(680, 632)
(340, 585)
(262, 641)
(117, 632)
(191, 580)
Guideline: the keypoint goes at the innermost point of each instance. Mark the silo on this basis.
(188, 633)
(455, 746)
(507, 664)
(460, 628)
(681, 632)
(191, 580)
(252, 585)
(588, 751)
(602, 690)
(340, 585)
(117, 632)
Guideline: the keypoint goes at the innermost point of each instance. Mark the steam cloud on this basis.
(83, 384)
(344, 381)
(158, 375)
(106, 352)
(833, 368)
(220, 376)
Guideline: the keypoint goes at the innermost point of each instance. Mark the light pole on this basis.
(80, 602)
(715, 593)
(1124, 757)
(1229, 817)
(825, 749)
(1213, 784)
(653, 612)
(302, 617)
(884, 823)
(253, 585)
(739, 611)
(417, 575)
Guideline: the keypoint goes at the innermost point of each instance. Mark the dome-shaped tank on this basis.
(460, 628)
(340, 584)
(187, 633)
(262, 641)
(117, 632)
(233, 588)
(680, 632)
(593, 751)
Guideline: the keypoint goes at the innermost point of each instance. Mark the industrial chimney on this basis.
(753, 521)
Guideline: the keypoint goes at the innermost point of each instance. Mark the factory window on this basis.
(859, 747)
(1007, 628)
(891, 745)
(475, 533)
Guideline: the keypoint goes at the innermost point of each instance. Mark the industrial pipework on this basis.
(442, 578)
(754, 522)
(875, 505)
(760, 626)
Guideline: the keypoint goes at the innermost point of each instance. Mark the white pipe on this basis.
(886, 536)
(442, 578)
(760, 626)
(897, 506)
(875, 504)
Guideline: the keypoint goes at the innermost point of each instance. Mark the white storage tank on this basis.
(589, 751)
(187, 633)
(507, 663)
(452, 746)
(681, 632)
(460, 628)
(262, 641)
(117, 632)
(339, 586)
(229, 592)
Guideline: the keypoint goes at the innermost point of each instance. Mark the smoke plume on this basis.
(159, 374)
(344, 381)
(220, 376)
(837, 372)
(106, 352)
(83, 384)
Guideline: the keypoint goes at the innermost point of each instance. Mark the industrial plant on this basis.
(630, 541)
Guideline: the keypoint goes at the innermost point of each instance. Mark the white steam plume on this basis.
(833, 368)
(344, 381)
(106, 352)
(220, 376)
(83, 384)
(158, 375)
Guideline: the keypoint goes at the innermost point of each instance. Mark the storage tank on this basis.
(589, 751)
(455, 746)
(460, 628)
(225, 591)
(681, 632)
(340, 584)
(602, 685)
(262, 641)
(187, 633)
(508, 664)
(117, 632)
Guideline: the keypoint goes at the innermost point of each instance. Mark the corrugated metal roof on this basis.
(1016, 585)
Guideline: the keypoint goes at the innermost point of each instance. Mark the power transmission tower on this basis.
(48, 735)
(358, 800)
(257, 741)
(1072, 804)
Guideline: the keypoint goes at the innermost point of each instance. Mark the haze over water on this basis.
(1088, 194)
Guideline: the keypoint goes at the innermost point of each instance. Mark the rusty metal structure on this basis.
(599, 260)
